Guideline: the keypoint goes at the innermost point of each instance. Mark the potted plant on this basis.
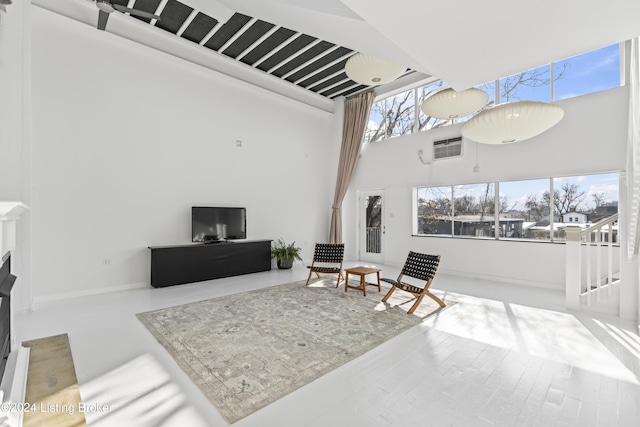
(285, 254)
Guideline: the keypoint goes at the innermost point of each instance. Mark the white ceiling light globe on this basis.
(512, 122)
(369, 70)
(450, 104)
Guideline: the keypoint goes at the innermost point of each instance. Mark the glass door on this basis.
(371, 213)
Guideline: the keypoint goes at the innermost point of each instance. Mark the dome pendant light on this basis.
(369, 70)
(449, 104)
(512, 122)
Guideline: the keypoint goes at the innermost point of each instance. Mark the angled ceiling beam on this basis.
(187, 22)
(158, 11)
(210, 34)
(257, 42)
(310, 61)
(321, 69)
(292, 57)
(238, 33)
(276, 50)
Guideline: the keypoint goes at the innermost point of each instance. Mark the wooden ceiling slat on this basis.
(146, 6)
(286, 52)
(268, 47)
(303, 57)
(319, 64)
(228, 30)
(199, 27)
(248, 37)
(173, 16)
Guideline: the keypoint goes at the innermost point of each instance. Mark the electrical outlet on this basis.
(106, 261)
(419, 152)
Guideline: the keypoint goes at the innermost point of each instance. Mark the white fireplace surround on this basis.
(10, 212)
(13, 384)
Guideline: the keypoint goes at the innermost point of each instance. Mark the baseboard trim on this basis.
(503, 279)
(67, 295)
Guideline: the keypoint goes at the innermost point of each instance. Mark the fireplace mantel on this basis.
(10, 212)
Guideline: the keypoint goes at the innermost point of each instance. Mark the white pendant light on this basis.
(450, 104)
(369, 70)
(512, 122)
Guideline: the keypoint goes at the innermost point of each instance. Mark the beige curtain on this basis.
(356, 116)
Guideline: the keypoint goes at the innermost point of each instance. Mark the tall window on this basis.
(588, 73)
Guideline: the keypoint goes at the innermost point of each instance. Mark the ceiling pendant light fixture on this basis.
(512, 122)
(369, 70)
(450, 104)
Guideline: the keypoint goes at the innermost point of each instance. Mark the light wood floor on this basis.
(505, 355)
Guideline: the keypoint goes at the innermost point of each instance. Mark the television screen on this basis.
(210, 224)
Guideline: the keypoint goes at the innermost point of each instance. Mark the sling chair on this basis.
(327, 259)
(421, 267)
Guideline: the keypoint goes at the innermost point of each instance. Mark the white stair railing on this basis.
(597, 241)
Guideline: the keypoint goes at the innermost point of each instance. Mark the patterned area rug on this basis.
(248, 350)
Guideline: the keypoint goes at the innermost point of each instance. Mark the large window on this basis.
(519, 209)
(473, 210)
(527, 204)
(434, 210)
(588, 73)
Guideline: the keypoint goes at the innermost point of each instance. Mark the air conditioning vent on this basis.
(446, 148)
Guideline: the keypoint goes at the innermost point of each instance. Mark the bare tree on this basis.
(374, 211)
(465, 205)
(537, 77)
(535, 209)
(397, 113)
(598, 200)
(568, 197)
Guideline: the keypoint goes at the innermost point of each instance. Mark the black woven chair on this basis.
(327, 259)
(420, 267)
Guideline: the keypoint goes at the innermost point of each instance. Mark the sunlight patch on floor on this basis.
(139, 393)
(547, 334)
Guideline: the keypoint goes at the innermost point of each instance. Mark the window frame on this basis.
(496, 99)
(497, 208)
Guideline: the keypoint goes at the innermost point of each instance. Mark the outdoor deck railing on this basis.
(374, 240)
(594, 245)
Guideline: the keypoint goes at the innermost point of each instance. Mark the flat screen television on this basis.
(216, 224)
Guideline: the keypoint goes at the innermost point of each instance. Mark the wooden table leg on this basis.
(378, 274)
(363, 284)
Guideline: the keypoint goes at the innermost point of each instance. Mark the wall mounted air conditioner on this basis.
(447, 148)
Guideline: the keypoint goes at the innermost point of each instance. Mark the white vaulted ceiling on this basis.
(299, 47)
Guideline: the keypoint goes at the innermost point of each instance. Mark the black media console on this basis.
(176, 265)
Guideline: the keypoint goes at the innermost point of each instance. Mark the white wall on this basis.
(126, 139)
(15, 136)
(590, 138)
